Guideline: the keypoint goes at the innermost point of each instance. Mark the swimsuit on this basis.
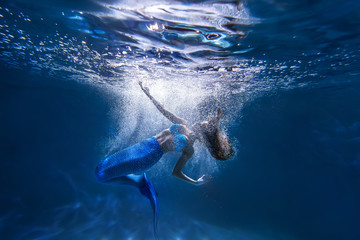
(179, 139)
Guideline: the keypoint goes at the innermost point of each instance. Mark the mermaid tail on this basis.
(148, 190)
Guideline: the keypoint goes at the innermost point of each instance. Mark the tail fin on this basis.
(148, 190)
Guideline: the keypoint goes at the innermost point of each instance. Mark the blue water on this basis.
(285, 73)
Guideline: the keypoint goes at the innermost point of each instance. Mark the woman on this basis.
(122, 166)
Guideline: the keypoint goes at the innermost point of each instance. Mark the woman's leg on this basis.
(134, 159)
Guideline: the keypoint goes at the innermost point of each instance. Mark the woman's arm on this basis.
(187, 154)
(173, 118)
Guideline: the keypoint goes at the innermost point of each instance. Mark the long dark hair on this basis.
(219, 145)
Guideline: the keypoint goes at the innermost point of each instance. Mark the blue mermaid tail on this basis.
(122, 167)
(148, 190)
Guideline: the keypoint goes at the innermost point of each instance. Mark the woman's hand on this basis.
(203, 179)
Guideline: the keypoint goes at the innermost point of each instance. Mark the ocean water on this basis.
(285, 73)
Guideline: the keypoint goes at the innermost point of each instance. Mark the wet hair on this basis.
(218, 144)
